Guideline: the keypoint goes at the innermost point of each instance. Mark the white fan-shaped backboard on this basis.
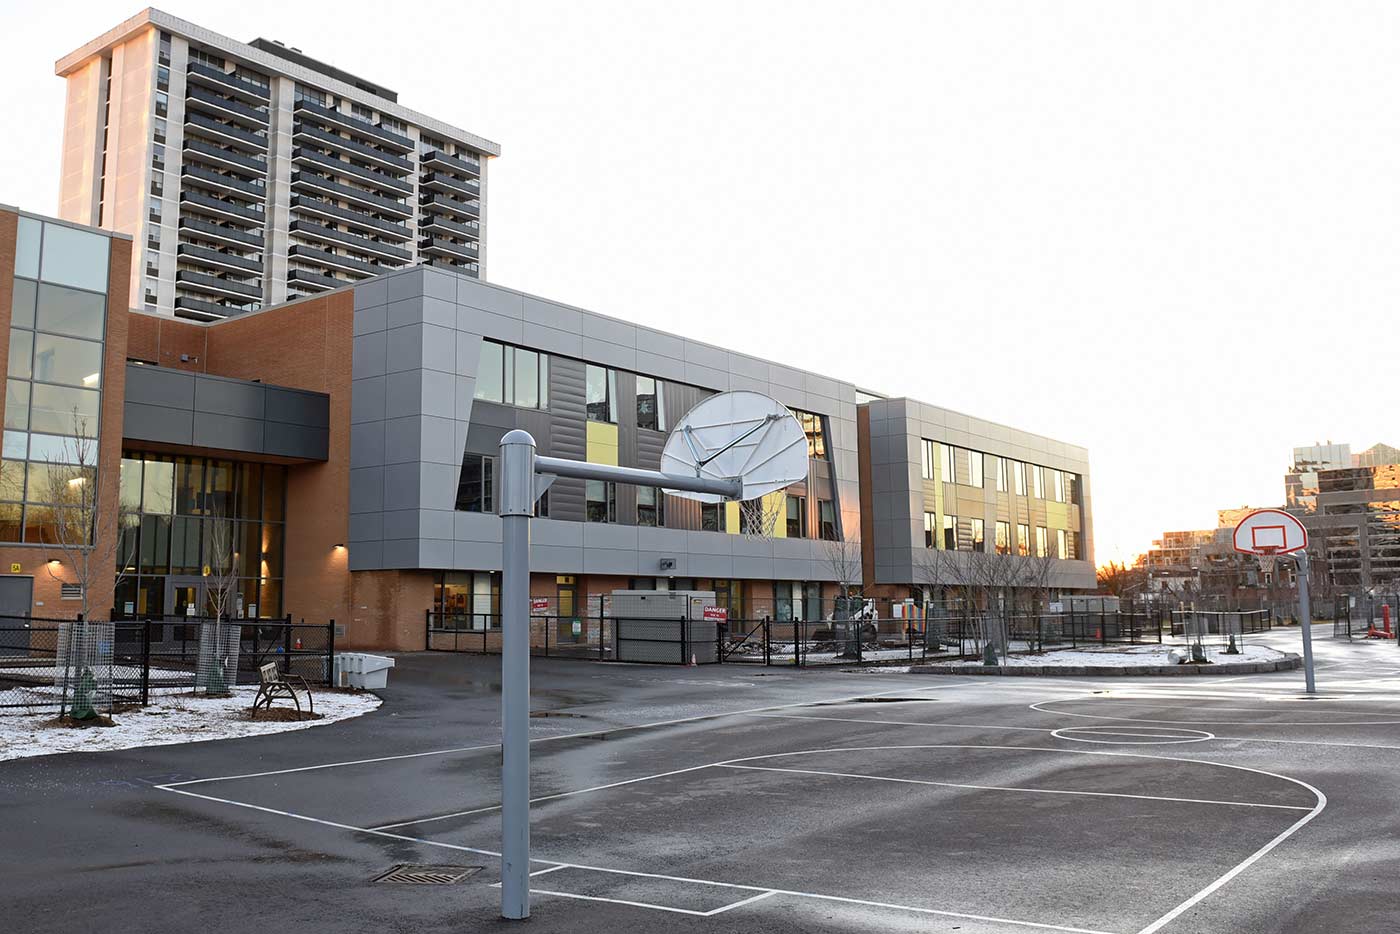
(741, 435)
(1270, 531)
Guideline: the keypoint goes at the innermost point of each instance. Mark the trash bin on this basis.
(357, 670)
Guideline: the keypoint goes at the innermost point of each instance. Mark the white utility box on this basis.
(357, 670)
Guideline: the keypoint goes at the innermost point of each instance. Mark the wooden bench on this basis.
(274, 684)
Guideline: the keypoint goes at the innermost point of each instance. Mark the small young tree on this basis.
(843, 560)
(221, 585)
(82, 537)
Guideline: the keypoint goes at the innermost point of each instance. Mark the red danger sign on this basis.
(717, 614)
(539, 604)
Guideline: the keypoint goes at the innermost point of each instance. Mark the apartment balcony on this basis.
(222, 107)
(436, 224)
(446, 205)
(330, 235)
(199, 309)
(223, 158)
(434, 159)
(215, 285)
(359, 268)
(303, 156)
(467, 269)
(227, 262)
(232, 236)
(321, 185)
(314, 282)
(314, 111)
(204, 126)
(226, 210)
(209, 76)
(324, 210)
(302, 132)
(448, 184)
(229, 183)
(440, 247)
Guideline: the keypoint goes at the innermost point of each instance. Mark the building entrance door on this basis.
(186, 597)
(16, 598)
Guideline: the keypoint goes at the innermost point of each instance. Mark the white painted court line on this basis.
(958, 726)
(1037, 791)
(562, 794)
(577, 735)
(623, 901)
(1198, 722)
(739, 904)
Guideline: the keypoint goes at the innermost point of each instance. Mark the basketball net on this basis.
(758, 518)
(1268, 560)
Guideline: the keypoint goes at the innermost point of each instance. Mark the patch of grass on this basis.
(69, 723)
(281, 715)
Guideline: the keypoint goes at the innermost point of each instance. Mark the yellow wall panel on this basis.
(602, 443)
(731, 518)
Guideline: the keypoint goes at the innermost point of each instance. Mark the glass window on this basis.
(1003, 540)
(1001, 474)
(27, 247)
(274, 493)
(17, 404)
(950, 533)
(602, 501)
(155, 544)
(1020, 471)
(249, 491)
(11, 522)
(65, 360)
(979, 539)
(129, 489)
(1038, 475)
(1042, 541)
(189, 486)
(1023, 539)
(527, 378)
(158, 488)
(61, 449)
(650, 411)
(75, 257)
(184, 546)
(926, 459)
(712, 517)
(22, 304)
(1058, 476)
(949, 474)
(796, 517)
(16, 445)
(1072, 489)
(71, 312)
(601, 386)
(474, 487)
(650, 506)
(21, 354)
(12, 482)
(219, 500)
(62, 410)
(930, 533)
(975, 465)
(1061, 551)
(826, 516)
(271, 550)
(812, 428)
(490, 372)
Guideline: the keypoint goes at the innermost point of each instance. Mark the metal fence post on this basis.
(145, 662)
(427, 629)
(330, 653)
(767, 642)
(685, 640)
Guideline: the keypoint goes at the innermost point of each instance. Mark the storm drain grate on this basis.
(428, 875)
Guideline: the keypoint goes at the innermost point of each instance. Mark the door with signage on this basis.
(186, 597)
(16, 598)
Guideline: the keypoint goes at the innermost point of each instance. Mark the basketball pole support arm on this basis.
(1305, 611)
(524, 478)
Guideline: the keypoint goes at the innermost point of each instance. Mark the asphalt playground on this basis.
(728, 798)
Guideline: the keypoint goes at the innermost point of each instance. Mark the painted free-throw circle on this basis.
(1136, 736)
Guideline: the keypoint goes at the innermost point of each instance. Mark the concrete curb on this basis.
(1289, 662)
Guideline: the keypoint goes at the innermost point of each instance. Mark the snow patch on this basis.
(168, 720)
(1130, 657)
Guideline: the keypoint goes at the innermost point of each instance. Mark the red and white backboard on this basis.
(1270, 532)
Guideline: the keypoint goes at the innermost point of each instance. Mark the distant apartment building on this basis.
(1352, 514)
(251, 174)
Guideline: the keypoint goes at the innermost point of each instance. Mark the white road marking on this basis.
(959, 726)
(1245, 723)
(739, 904)
(1037, 791)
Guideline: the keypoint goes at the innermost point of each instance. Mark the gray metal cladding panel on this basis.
(681, 398)
(297, 407)
(301, 441)
(158, 423)
(567, 434)
(649, 446)
(484, 439)
(229, 397)
(228, 432)
(153, 385)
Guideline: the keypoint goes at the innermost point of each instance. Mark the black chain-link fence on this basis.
(156, 655)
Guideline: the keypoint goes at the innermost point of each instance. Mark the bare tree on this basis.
(843, 560)
(219, 639)
(77, 528)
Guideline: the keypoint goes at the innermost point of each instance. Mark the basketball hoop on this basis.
(758, 518)
(1268, 560)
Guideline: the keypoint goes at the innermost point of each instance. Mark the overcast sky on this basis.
(1165, 231)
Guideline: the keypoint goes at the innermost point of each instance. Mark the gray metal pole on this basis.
(1305, 612)
(517, 504)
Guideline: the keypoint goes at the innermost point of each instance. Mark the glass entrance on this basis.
(186, 597)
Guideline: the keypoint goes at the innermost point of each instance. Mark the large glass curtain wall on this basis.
(178, 513)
